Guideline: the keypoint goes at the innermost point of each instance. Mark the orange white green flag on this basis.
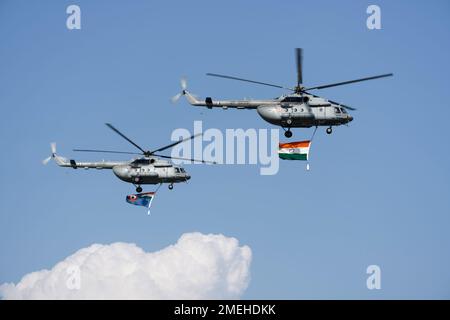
(294, 150)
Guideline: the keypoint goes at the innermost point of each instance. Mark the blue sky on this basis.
(378, 189)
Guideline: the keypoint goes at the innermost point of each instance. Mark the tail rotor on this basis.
(53, 155)
(183, 83)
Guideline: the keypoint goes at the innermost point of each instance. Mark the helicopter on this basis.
(147, 169)
(299, 109)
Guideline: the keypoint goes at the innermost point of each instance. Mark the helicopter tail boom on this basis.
(64, 162)
(225, 104)
(192, 99)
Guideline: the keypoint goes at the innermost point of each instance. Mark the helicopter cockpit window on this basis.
(182, 170)
(141, 162)
(295, 99)
(177, 170)
(337, 110)
(343, 110)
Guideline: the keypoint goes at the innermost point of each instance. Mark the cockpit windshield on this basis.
(179, 170)
(141, 162)
(295, 99)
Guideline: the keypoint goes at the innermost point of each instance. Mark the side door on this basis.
(319, 114)
(163, 172)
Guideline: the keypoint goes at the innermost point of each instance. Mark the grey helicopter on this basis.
(299, 109)
(146, 169)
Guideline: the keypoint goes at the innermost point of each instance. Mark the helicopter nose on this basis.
(350, 118)
(188, 177)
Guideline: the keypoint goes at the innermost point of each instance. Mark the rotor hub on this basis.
(298, 89)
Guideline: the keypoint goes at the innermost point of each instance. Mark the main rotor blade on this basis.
(299, 60)
(348, 82)
(105, 151)
(175, 143)
(124, 136)
(342, 105)
(193, 160)
(247, 80)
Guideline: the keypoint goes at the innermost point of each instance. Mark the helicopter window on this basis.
(301, 109)
(295, 109)
(182, 170)
(295, 99)
(336, 109)
(343, 110)
(177, 170)
(141, 161)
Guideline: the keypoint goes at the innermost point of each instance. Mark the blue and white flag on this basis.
(141, 199)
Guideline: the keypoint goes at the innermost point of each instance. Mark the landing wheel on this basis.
(329, 130)
(170, 186)
(138, 189)
(288, 133)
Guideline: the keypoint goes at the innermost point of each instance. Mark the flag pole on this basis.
(311, 140)
(149, 204)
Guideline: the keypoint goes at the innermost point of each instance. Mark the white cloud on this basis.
(198, 266)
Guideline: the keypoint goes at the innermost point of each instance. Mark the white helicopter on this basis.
(148, 169)
(299, 109)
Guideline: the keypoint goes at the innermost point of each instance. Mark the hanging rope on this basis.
(158, 187)
(314, 133)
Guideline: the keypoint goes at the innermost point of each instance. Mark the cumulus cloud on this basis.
(198, 266)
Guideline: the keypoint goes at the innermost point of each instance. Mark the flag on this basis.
(141, 199)
(294, 150)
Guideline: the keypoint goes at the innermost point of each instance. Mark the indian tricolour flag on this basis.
(294, 150)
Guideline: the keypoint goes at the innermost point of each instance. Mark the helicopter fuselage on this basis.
(138, 171)
(291, 111)
(151, 174)
(304, 116)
